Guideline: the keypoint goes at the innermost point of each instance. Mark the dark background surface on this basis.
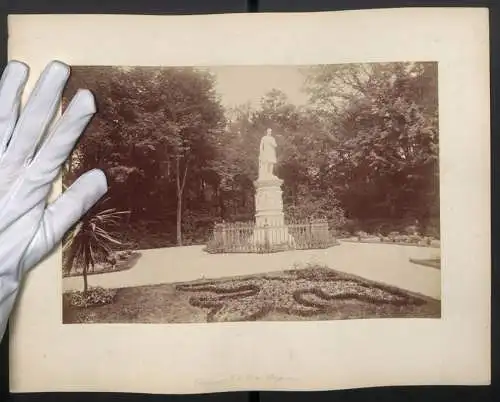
(445, 393)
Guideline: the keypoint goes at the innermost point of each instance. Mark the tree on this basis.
(155, 132)
(384, 119)
(90, 241)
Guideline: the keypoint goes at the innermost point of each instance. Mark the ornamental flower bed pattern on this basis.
(302, 293)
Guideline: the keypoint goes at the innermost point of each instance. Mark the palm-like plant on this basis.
(90, 240)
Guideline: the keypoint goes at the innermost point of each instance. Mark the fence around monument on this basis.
(246, 237)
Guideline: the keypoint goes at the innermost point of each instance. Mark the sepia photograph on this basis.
(257, 193)
(284, 212)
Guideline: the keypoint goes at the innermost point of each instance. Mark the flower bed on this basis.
(304, 292)
(395, 238)
(119, 261)
(95, 296)
(314, 293)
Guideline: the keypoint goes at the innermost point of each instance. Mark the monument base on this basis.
(270, 231)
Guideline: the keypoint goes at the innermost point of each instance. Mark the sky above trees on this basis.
(239, 85)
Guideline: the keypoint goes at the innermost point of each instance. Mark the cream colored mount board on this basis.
(201, 357)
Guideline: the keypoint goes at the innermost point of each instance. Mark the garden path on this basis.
(379, 262)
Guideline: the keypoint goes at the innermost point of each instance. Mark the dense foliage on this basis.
(362, 153)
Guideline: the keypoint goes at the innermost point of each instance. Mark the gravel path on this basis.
(379, 262)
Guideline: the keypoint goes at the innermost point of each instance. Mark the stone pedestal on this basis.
(270, 229)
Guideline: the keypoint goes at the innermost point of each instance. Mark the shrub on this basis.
(411, 230)
(94, 296)
(384, 229)
(361, 235)
(351, 226)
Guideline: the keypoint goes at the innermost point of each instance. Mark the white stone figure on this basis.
(267, 156)
(270, 228)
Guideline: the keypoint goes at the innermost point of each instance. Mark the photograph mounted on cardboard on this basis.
(243, 193)
(303, 206)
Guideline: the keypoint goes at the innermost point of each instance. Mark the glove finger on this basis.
(38, 114)
(12, 83)
(7, 302)
(56, 148)
(63, 213)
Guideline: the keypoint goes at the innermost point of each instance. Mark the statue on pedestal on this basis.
(267, 156)
(270, 229)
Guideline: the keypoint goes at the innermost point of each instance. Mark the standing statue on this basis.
(267, 155)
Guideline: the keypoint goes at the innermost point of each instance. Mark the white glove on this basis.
(31, 157)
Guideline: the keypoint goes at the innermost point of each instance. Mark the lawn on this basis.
(314, 293)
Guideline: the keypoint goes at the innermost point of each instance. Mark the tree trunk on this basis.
(179, 220)
(222, 208)
(85, 279)
(180, 190)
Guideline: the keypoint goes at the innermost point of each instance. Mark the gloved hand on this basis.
(31, 157)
